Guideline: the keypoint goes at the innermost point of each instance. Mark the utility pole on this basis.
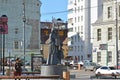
(24, 20)
(116, 36)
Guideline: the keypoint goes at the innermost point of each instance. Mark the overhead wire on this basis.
(58, 12)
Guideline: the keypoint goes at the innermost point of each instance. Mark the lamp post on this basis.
(3, 31)
(24, 20)
(116, 36)
(3, 53)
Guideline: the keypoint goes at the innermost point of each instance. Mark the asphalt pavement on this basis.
(81, 75)
(88, 75)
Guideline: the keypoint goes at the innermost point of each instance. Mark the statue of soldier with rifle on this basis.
(55, 48)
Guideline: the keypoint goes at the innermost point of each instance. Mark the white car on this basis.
(107, 70)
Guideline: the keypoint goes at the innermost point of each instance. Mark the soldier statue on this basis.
(55, 48)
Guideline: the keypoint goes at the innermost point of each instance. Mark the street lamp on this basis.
(24, 21)
(116, 36)
(3, 31)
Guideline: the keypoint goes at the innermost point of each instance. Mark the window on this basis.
(119, 32)
(75, 29)
(75, 10)
(81, 8)
(72, 40)
(81, 18)
(46, 32)
(88, 55)
(16, 45)
(109, 56)
(109, 33)
(78, 19)
(109, 12)
(75, 20)
(82, 48)
(78, 9)
(98, 34)
(78, 28)
(81, 29)
(98, 56)
(104, 68)
(61, 33)
(81, 58)
(75, 48)
(119, 56)
(70, 48)
(70, 20)
(78, 48)
(70, 11)
(16, 30)
(70, 2)
(70, 29)
(75, 38)
(119, 10)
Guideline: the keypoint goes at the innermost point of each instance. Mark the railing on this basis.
(57, 77)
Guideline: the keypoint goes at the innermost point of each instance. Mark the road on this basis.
(81, 75)
(86, 75)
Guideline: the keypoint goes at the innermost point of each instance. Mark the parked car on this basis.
(107, 70)
(91, 66)
(86, 61)
(80, 62)
(72, 62)
(24, 70)
(27, 63)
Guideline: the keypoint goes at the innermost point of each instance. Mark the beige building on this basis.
(106, 49)
(45, 33)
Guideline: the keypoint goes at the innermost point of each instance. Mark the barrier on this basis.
(30, 73)
(31, 77)
(66, 75)
(8, 72)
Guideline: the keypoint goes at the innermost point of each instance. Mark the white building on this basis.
(80, 16)
(14, 40)
(106, 42)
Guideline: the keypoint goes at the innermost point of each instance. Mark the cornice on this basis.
(108, 0)
(105, 23)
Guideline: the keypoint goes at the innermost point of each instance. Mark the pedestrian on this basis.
(18, 67)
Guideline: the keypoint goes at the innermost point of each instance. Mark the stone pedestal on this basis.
(53, 70)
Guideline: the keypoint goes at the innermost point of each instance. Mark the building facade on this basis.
(45, 34)
(23, 27)
(106, 30)
(80, 16)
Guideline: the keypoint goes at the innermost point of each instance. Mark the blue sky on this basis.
(49, 9)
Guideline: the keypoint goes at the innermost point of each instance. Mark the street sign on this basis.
(3, 24)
